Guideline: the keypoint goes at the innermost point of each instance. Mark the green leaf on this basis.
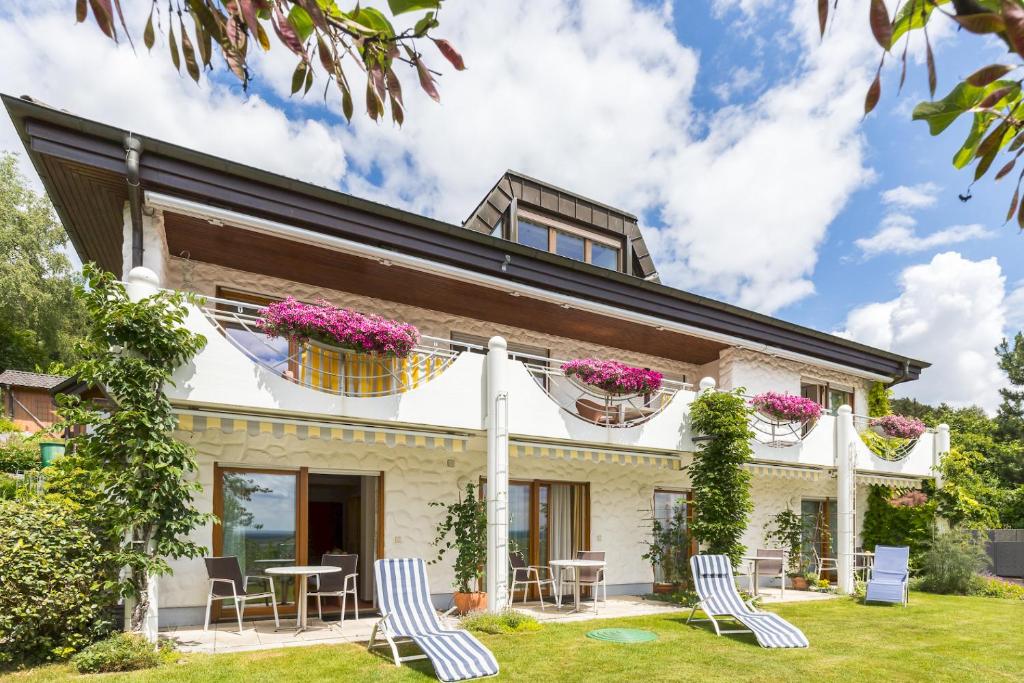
(301, 22)
(298, 76)
(173, 45)
(374, 20)
(913, 15)
(982, 23)
(941, 113)
(402, 6)
(964, 155)
(149, 35)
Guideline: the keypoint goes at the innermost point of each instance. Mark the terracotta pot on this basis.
(470, 602)
(799, 582)
(667, 588)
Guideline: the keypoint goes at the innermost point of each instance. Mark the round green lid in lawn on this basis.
(623, 635)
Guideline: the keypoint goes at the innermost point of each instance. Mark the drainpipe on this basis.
(133, 151)
(845, 485)
(497, 475)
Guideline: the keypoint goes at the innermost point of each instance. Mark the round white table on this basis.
(575, 565)
(301, 574)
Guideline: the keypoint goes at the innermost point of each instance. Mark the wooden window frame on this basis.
(554, 226)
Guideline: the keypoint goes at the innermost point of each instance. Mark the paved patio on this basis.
(259, 635)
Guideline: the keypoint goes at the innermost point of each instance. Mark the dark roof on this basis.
(545, 198)
(32, 380)
(82, 166)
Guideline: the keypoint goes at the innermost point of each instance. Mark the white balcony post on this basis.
(707, 384)
(941, 449)
(140, 283)
(497, 475)
(846, 485)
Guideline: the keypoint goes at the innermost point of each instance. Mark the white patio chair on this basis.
(403, 597)
(337, 584)
(716, 588)
(588, 577)
(227, 582)
(824, 564)
(524, 575)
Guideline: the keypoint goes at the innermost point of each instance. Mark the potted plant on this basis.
(464, 530)
(898, 426)
(668, 551)
(786, 407)
(785, 531)
(612, 377)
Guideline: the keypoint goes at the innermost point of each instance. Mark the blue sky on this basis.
(725, 124)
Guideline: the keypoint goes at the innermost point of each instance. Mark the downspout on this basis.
(133, 151)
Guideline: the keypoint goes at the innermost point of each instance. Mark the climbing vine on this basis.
(878, 400)
(893, 519)
(721, 485)
(139, 470)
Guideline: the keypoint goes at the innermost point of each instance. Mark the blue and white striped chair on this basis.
(403, 597)
(716, 588)
(889, 580)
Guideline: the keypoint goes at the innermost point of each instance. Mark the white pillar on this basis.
(497, 475)
(941, 449)
(154, 243)
(846, 485)
(140, 283)
(707, 384)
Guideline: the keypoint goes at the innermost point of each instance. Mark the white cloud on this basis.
(896, 236)
(1015, 310)
(950, 312)
(740, 79)
(87, 74)
(911, 196)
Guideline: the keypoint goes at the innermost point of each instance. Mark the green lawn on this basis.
(936, 638)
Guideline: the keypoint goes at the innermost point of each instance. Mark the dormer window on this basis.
(569, 241)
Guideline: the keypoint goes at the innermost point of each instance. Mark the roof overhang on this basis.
(82, 166)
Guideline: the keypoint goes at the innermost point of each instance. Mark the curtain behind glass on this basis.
(560, 511)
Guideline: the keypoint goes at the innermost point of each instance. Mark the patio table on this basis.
(575, 565)
(756, 560)
(865, 559)
(301, 573)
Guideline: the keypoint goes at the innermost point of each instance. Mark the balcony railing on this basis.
(326, 368)
(886, 448)
(593, 405)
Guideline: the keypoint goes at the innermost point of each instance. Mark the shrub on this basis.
(508, 621)
(993, 587)
(119, 652)
(683, 598)
(951, 563)
(18, 454)
(889, 523)
(53, 574)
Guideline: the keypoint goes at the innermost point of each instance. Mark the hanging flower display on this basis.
(613, 376)
(898, 426)
(786, 407)
(348, 329)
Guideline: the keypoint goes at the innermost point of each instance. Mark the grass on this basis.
(936, 638)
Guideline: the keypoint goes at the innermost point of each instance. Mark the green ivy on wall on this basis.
(721, 485)
(888, 522)
(878, 400)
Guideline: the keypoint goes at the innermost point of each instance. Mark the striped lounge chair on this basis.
(890, 575)
(716, 588)
(408, 615)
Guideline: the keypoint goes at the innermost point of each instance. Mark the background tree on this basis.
(1010, 419)
(130, 349)
(39, 315)
(991, 94)
(323, 38)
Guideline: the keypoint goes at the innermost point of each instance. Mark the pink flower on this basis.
(786, 407)
(899, 426)
(323, 322)
(612, 376)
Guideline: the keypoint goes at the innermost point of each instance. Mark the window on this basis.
(829, 396)
(667, 505)
(239, 325)
(569, 241)
(818, 536)
(498, 229)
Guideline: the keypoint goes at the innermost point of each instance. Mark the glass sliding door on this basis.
(672, 512)
(818, 517)
(259, 523)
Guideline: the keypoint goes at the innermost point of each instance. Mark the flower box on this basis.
(898, 426)
(612, 376)
(786, 407)
(342, 327)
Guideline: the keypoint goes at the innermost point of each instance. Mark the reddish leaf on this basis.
(347, 107)
(1013, 205)
(248, 11)
(450, 53)
(120, 16)
(376, 76)
(286, 32)
(326, 55)
(988, 74)
(205, 41)
(881, 28)
(371, 101)
(822, 16)
(984, 22)
(427, 81)
(104, 16)
(996, 95)
(1006, 169)
(1017, 142)
(313, 10)
(874, 92)
(1013, 18)
(81, 10)
(1020, 215)
(395, 91)
(930, 58)
(191, 65)
(903, 67)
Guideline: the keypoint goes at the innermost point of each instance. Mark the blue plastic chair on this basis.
(890, 575)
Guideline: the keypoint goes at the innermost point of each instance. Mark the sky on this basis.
(728, 126)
